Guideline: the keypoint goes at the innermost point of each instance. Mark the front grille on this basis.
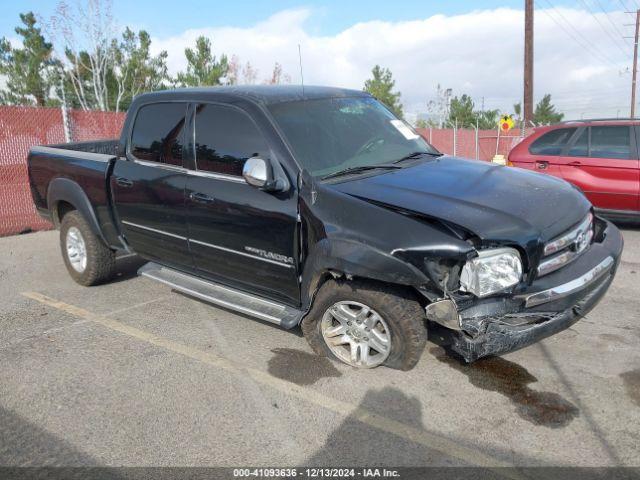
(567, 247)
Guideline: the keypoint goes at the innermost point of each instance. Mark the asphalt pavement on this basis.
(133, 374)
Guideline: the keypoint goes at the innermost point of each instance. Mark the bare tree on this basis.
(277, 76)
(233, 71)
(249, 74)
(84, 32)
(239, 73)
(439, 108)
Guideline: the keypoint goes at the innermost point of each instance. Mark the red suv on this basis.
(600, 157)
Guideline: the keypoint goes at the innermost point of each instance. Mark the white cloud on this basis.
(479, 53)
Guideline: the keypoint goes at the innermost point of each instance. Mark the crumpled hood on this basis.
(496, 203)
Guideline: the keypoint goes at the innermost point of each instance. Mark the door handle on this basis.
(542, 165)
(124, 182)
(575, 164)
(201, 197)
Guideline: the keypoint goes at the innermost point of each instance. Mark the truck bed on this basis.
(86, 164)
(105, 147)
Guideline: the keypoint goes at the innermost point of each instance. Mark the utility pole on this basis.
(635, 66)
(528, 62)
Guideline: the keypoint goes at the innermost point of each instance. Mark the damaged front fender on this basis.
(349, 236)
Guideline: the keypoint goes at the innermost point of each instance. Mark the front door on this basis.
(239, 235)
(547, 150)
(603, 162)
(148, 186)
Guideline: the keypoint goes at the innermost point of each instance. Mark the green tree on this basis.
(517, 109)
(27, 69)
(463, 114)
(202, 66)
(488, 119)
(134, 70)
(545, 112)
(381, 87)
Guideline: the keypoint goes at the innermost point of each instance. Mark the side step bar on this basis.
(223, 296)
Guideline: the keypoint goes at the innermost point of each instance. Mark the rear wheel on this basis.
(88, 260)
(366, 325)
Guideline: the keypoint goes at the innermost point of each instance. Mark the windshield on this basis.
(332, 134)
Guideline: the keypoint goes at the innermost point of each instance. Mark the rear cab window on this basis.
(225, 138)
(158, 133)
(552, 143)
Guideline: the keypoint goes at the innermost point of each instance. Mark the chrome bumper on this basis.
(552, 304)
(566, 289)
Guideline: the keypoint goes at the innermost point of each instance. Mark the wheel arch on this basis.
(346, 259)
(65, 195)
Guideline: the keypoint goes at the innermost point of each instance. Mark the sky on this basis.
(473, 47)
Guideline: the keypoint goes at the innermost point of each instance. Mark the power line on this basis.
(585, 46)
(615, 27)
(606, 30)
(590, 91)
(595, 48)
(634, 6)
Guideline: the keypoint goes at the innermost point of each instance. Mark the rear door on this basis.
(546, 151)
(603, 162)
(148, 186)
(240, 235)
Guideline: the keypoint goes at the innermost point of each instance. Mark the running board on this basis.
(223, 296)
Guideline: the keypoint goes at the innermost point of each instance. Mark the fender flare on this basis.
(65, 189)
(353, 258)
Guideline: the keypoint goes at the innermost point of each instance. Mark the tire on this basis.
(397, 311)
(75, 237)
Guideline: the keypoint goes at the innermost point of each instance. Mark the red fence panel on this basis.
(20, 129)
(462, 142)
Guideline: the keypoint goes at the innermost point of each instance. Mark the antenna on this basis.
(301, 74)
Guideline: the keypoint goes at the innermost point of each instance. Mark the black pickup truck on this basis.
(318, 207)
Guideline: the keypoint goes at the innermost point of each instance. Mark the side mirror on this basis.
(256, 172)
(259, 173)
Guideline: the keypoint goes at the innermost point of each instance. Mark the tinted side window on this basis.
(610, 142)
(551, 143)
(225, 138)
(158, 133)
(581, 146)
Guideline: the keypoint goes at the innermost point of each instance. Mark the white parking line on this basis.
(137, 305)
(430, 440)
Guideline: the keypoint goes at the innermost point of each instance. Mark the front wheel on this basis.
(366, 325)
(88, 260)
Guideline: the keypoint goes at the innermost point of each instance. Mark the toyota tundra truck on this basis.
(317, 207)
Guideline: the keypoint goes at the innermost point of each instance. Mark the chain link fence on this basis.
(472, 143)
(23, 127)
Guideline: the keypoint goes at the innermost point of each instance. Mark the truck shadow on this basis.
(127, 267)
(496, 374)
(29, 451)
(357, 443)
(381, 431)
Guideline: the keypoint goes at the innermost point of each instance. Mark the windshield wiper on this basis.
(416, 155)
(360, 168)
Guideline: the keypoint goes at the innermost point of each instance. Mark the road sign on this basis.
(506, 123)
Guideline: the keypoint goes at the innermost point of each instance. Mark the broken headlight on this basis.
(492, 271)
